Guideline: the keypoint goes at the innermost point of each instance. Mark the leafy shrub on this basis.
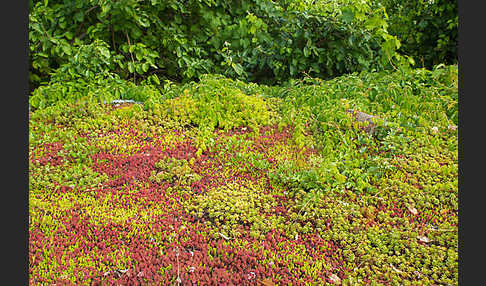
(257, 40)
(219, 105)
(410, 101)
(86, 61)
(99, 88)
(215, 102)
(427, 30)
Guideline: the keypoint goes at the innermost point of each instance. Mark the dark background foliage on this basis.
(427, 30)
(255, 40)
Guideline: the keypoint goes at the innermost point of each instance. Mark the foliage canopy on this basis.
(256, 40)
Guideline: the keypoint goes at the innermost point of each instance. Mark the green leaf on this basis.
(79, 16)
(306, 51)
(144, 22)
(292, 70)
(155, 78)
(237, 68)
(104, 52)
(67, 49)
(411, 61)
(68, 35)
(138, 68)
(340, 178)
(62, 24)
(374, 23)
(347, 15)
(145, 67)
(139, 55)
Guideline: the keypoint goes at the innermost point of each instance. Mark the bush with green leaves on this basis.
(427, 30)
(100, 88)
(256, 40)
(411, 101)
(221, 105)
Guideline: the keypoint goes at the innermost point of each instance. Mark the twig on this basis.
(112, 33)
(91, 9)
(131, 55)
(391, 62)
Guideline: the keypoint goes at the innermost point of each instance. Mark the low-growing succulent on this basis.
(240, 187)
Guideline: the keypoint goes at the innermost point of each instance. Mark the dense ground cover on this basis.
(223, 182)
